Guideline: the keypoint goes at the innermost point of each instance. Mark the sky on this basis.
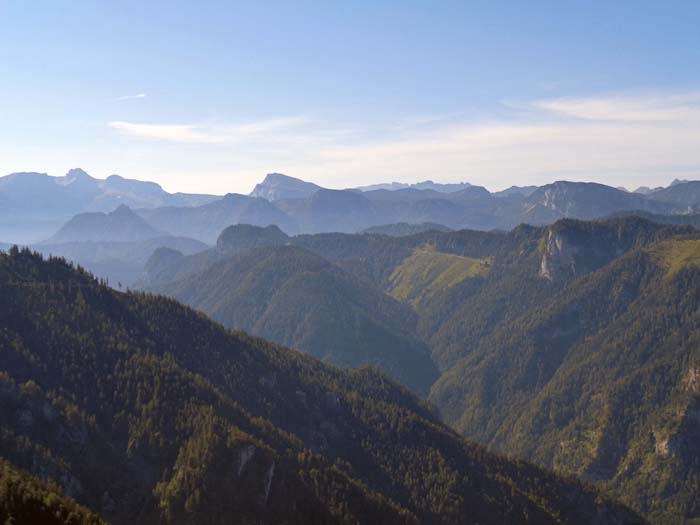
(209, 96)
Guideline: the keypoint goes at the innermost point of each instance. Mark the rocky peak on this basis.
(76, 176)
(277, 186)
(122, 211)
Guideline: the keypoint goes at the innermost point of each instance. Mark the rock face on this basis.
(584, 200)
(685, 194)
(558, 257)
(574, 247)
(277, 186)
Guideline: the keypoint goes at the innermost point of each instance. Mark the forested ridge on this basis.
(291, 296)
(26, 499)
(569, 345)
(144, 411)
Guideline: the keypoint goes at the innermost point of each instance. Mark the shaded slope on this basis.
(119, 262)
(685, 194)
(206, 222)
(582, 378)
(293, 297)
(26, 499)
(332, 210)
(120, 225)
(176, 419)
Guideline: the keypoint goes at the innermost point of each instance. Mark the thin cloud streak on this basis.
(651, 108)
(204, 133)
(132, 97)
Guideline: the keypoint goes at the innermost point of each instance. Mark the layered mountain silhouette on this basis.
(121, 263)
(206, 222)
(554, 324)
(34, 205)
(114, 245)
(120, 225)
(294, 297)
(318, 210)
(145, 411)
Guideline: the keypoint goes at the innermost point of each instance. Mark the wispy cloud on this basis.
(650, 108)
(132, 97)
(207, 133)
(408, 123)
(620, 140)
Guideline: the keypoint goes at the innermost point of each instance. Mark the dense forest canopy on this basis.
(535, 332)
(144, 410)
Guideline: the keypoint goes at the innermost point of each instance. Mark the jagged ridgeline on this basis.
(145, 411)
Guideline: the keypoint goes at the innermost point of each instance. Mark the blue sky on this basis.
(210, 96)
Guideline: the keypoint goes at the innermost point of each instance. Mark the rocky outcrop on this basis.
(277, 186)
(558, 257)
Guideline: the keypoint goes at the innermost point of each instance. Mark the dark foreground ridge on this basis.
(145, 411)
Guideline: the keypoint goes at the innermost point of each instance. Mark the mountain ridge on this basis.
(188, 440)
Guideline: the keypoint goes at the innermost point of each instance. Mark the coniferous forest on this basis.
(353, 263)
(145, 410)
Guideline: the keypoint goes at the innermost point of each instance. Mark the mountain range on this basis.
(570, 345)
(36, 206)
(553, 324)
(145, 411)
(294, 297)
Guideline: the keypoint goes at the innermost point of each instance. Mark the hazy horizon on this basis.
(247, 191)
(208, 98)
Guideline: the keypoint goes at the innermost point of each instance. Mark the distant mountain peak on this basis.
(674, 182)
(239, 237)
(122, 211)
(76, 175)
(277, 186)
(120, 225)
(281, 177)
(424, 185)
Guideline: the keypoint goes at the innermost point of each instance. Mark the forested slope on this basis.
(146, 411)
(294, 297)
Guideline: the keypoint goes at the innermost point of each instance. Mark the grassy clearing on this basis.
(428, 272)
(677, 254)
